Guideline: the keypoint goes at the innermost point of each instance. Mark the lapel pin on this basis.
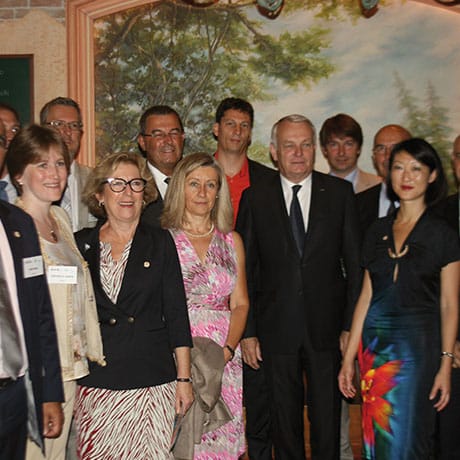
(385, 238)
(17, 234)
(146, 264)
(87, 246)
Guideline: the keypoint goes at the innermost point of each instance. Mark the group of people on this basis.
(194, 283)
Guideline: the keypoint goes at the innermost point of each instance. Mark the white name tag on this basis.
(32, 266)
(62, 274)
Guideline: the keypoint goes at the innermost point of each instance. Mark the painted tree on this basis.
(427, 118)
(191, 58)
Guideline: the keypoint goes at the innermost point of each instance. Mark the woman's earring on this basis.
(101, 204)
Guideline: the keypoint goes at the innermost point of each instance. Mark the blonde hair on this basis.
(174, 203)
(104, 169)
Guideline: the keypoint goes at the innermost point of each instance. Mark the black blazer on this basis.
(150, 317)
(36, 311)
(448, 209)
(367, 203)
(152, 212)
(289, 295)
(259, 172)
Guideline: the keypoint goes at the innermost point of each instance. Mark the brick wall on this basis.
(16, 9)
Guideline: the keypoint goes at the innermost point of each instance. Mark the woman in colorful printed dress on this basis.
(198, 213)
(126, 409)
(405, 320)
(38, 162)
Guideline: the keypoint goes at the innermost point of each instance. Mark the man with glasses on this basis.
(374, 202)
(10, 118)
(64, 115)
(10, 126)
(161, 138)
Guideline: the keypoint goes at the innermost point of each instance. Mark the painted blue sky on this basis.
(419, 42)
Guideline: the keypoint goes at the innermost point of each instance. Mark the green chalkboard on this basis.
(17, 83)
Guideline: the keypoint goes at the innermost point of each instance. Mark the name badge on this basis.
(32, 266)
(62, 274)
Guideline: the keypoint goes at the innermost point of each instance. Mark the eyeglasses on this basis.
(118, 185)
(62, 125)
(159, 135)
(3, 142)
(381, 149)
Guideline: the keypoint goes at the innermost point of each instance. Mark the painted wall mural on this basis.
(316, 58)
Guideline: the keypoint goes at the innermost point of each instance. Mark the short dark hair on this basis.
(28, 147)
(158, 110)
(341, 125)
(423, 152)
(4, 106)
(58, 101)
(234, 103)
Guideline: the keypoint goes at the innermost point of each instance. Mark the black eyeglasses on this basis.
(159, 135)
(118, 185)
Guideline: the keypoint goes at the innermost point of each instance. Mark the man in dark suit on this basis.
(24, 282)
(161, 138)
(448, 441)
(233, 129)
(301, 236)
(373, 202)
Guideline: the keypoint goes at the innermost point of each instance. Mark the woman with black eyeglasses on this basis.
(126, 409)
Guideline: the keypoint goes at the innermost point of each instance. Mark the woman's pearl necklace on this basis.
(199, 235)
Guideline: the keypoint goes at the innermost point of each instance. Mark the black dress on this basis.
(401, 342)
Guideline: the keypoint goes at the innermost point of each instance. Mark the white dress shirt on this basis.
(159, 177)
(304, 196)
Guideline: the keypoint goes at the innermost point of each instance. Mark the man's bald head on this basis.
(384, 141)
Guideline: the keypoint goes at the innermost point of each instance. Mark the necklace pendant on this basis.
(53, 236)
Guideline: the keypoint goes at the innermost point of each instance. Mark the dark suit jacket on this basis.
(259, 172)
(289, 295)
(448, 209)
(152, 212)
(36, 311)
(150, 316)
(367, 203)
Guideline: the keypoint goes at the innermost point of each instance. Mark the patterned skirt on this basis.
(124, 424)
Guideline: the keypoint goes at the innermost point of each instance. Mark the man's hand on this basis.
(250, 349)
(53, 419)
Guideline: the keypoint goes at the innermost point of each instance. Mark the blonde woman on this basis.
(198, 213)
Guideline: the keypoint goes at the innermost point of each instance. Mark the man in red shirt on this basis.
(233, 129)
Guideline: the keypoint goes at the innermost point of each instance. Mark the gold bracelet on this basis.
(448, 354)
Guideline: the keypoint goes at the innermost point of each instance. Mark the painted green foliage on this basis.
(191, 58)
(428, 119)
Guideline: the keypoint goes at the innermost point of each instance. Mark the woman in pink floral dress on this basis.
(198, 213)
